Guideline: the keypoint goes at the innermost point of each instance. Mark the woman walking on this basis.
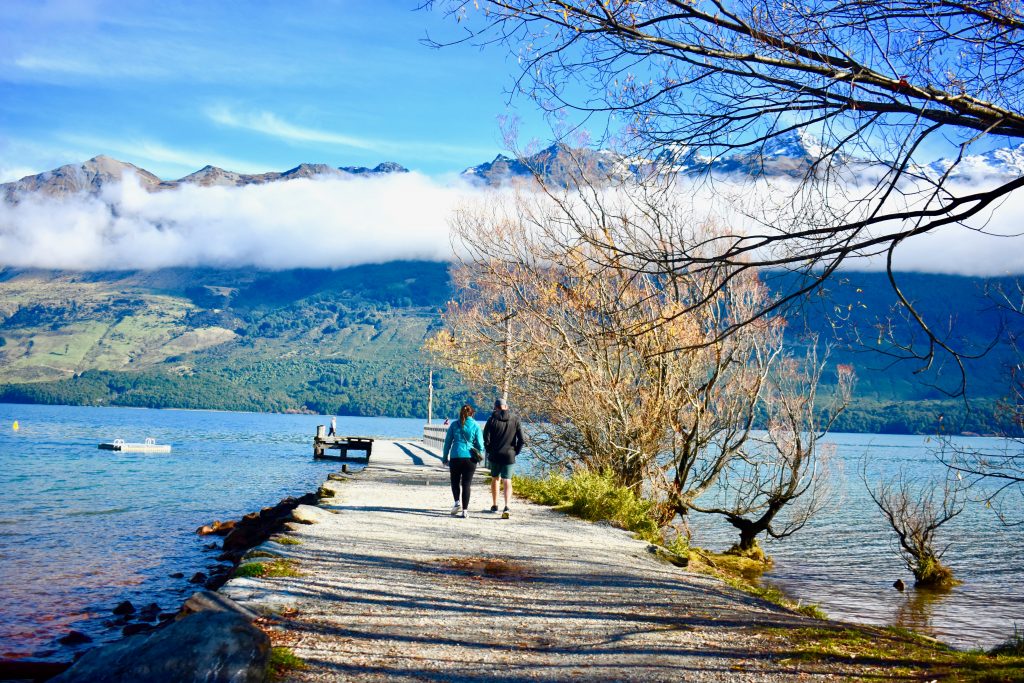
(464, 436)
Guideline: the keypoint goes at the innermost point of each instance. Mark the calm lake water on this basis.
(82, 529)
(844, 560)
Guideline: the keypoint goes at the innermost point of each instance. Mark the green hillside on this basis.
(343, 341)
(348, 342)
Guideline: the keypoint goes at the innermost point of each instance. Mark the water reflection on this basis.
(916, 609)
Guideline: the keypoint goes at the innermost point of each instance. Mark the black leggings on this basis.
(462, 470)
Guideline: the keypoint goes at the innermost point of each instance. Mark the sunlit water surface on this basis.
(844, 560)
(82, 529)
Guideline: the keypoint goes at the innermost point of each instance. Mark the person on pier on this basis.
(503, 440)
(334, 427)
(463, 438)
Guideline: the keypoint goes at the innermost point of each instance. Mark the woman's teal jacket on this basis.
(460, 439)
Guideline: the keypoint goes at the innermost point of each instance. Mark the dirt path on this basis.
(394, 588)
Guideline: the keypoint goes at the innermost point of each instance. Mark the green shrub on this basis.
(286, 540)
(595, 497)
(1014, 646)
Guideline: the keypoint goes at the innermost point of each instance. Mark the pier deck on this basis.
(343, 444)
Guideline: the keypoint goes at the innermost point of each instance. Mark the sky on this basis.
(249, 86)
(260, 86)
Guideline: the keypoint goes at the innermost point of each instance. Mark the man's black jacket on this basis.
(503, 437)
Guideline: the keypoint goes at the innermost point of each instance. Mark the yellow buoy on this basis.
(15, 426)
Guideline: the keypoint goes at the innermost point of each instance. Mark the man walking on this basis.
(503, 440)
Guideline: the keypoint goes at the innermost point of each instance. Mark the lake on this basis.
(82, 529)
(844, 560)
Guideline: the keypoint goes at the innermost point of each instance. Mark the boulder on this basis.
(132, 629)
(149, 612)
(74, 638)
(208, 529)
(198, 577)
(125, 607)
(225, 528)
(308, 514)
(208, 601)
(207, 647)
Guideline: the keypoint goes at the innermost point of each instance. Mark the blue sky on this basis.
(249, 86)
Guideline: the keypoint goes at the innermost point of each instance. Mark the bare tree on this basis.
(916, 509)
(873, 82)
(783, 478)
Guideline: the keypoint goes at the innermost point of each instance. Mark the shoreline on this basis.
(132, 619)
(380, 566)
(373, 555)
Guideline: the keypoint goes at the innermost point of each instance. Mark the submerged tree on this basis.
(785, 477)
(873, 83)
(915, 510)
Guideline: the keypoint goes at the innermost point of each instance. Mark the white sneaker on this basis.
(455, 509)
(465, 514)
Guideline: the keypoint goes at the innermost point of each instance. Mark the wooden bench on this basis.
(343, 444)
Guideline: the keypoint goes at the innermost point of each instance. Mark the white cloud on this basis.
(337, 222)
(299, 223)
(268, 123)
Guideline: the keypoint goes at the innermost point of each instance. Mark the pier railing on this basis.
(434, 435)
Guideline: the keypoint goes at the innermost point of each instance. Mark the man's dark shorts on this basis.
(502, 471)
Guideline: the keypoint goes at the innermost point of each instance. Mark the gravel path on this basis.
(393, 588)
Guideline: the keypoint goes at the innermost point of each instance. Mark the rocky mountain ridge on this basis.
(92, 176)
(789, 155)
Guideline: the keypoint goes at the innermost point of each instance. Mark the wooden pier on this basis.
(343, 444)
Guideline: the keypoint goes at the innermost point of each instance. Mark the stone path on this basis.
(395, 589)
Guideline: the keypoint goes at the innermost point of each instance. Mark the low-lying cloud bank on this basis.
(317, 223)
(339, 222)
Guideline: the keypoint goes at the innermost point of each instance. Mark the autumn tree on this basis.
(608, 371)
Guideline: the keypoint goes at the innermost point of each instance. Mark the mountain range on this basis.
(791, 154)
(93, 175)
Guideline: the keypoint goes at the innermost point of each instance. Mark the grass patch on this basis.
(1014, 646)
(595, 497)
(283, 660)
(901, 652)
(741, 572)
(286, 540)
(267, 570)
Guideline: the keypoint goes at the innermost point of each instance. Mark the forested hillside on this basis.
(348, 342)
(326, 341)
